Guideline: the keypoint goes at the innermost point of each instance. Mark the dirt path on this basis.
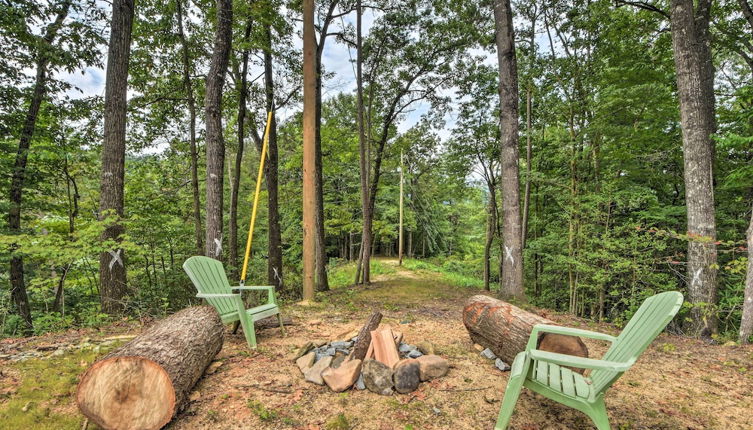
(678, 383)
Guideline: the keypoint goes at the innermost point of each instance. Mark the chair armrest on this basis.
(269, 288)
(579, 362)
(568, 331)
(216, 296)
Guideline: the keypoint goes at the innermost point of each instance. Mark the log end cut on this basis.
(127, 392)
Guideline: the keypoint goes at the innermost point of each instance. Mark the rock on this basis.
(359, 383)
(425, 347)
(432, 366)
(405, 348)
(343, 377)
(406, 376)
(304, 363)
(478, 347)
(340, 344)
(414, 354)
(501, 365)
(338, 359)
(318, 343)
(314, 374)
(487, 353)
(303, 350)
(377, 377)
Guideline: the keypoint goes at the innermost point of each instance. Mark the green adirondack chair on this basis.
(545, 372)
(209, 278)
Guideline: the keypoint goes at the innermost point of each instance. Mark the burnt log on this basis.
(505, 329)
(364, 336)
(143, 384)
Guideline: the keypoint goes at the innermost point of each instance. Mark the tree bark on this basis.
(511, 278)
(215, 142)
(188, 88)
(112, 272)
(309, 151)
(695, 86)
(241, 120)
(746, 325)
(527, 192)
(274, 243)
(505, 329)
(145, 382)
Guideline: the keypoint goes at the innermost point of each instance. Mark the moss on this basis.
(45, 396)
(340, 422)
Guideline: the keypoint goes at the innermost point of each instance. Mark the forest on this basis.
(582, 157)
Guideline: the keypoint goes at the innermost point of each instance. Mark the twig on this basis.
(464, 389)
(271, 390)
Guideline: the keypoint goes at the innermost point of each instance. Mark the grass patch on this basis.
(342, 274)
(446, 274)
(44, 396)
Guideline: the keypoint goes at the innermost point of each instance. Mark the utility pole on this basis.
(400, 244)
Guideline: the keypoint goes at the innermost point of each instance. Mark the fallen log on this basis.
(142, 384)
(505, 329)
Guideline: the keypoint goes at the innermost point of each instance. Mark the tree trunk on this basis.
(145, 382)
(365, 255)
(188, 88)
(17, 283)
(309, 151)
(322, 282)
(112, 272)
(695, 86)
(241, 120)
(487, 248)
(505, 329)
(274, 242)
(215, 143)
(746, 325)
(527, 192)
(400, 234)
(511, 278)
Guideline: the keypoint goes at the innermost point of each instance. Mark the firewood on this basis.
(384, 346)
(363, 341)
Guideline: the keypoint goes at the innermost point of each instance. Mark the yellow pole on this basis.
(256, 197)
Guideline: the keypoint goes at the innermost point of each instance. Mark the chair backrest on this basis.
(208, 276)
(650, 319)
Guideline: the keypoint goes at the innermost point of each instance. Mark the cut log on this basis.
(384, 347)
(364, 336)
(505, 329)
(142, 384)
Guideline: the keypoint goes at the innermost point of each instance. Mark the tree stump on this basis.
(505, 329)
(142, 384)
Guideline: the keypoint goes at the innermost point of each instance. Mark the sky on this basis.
(337, 59)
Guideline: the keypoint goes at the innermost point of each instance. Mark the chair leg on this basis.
(512, 392)
(248, 331)
(282, 327)
(599, 416)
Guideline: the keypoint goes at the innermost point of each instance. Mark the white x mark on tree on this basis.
(696, 277)
(218, 246)
(115, 258)
(508, 255)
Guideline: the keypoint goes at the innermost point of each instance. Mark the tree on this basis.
(42, 54)
(691, 44)
(363, 163)
(746, 325)
(112, 271)
(215, 142)
(309, 151)
(511, 277)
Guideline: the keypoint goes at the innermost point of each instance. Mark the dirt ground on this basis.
(678, 383)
